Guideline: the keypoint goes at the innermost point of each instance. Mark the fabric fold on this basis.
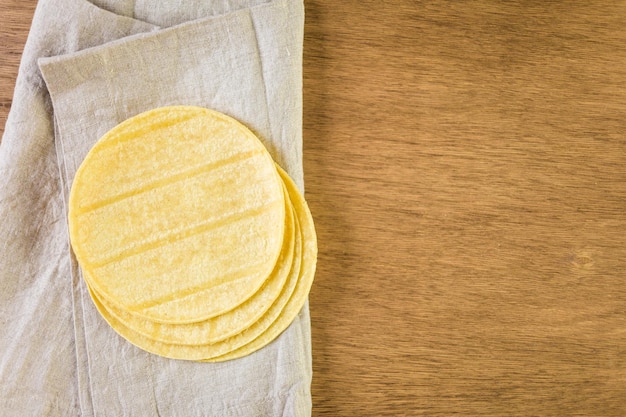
(242, 58)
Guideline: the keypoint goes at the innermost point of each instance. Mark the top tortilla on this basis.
(177, 215)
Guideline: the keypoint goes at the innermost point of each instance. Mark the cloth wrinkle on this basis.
(273, 151)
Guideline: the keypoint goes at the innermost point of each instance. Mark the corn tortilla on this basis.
(177, 215)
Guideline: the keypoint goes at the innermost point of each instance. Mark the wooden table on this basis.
(466, 166)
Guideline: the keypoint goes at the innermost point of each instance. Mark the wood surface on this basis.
(465, 163)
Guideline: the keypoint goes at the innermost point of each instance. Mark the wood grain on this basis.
(465, 165)
(15, 18)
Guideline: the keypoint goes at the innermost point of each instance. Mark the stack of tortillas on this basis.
(193, 243)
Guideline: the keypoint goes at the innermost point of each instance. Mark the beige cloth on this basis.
(86, 67)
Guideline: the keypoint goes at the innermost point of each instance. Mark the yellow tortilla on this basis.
(177, 215)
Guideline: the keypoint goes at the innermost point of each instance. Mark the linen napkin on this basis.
(86, 67)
